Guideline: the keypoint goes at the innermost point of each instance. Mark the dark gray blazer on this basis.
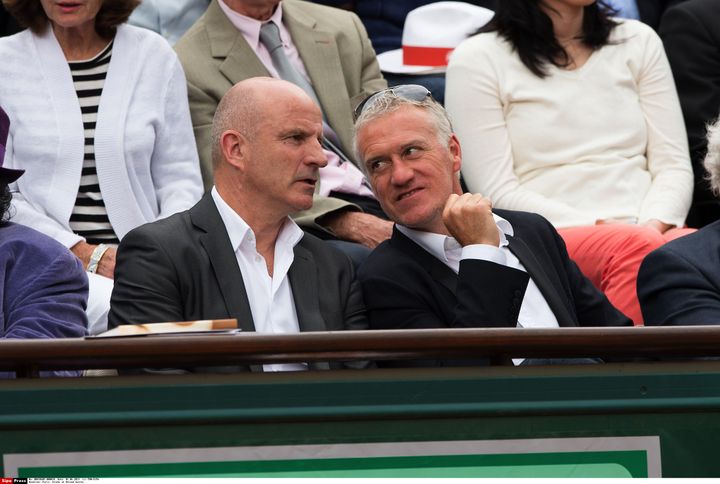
(679, 283)
(183, 268)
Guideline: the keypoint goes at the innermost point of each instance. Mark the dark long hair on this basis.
(530, 31)
(5, 199)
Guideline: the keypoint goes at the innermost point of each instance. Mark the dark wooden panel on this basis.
(28, 356)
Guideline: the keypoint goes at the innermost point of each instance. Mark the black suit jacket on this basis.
(183, 268)
(651, 11)
(691, 35)
(679, 283)
(407, 287)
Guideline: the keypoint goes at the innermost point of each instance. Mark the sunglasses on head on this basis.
(412, 92)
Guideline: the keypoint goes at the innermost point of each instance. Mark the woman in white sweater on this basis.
(564, 111)
(101, 126)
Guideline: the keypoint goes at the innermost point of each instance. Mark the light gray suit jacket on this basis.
(334, 48)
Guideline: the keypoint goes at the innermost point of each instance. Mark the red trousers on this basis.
(610, 256)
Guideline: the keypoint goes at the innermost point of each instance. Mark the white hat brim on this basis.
(392, 62)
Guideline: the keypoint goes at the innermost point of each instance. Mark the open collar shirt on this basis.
(270, 297)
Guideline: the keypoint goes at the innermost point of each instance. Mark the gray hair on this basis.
(712, 159)
(386, 102)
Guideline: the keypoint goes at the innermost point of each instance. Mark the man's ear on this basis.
(234, 147)
(455, 152)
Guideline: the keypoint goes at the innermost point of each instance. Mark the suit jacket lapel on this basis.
(437, 269)
(552, 291)
(303, 281)
(216, 243)
(317, 50)
(226, 42)
(321, 58)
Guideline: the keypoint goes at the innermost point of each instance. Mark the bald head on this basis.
(268, 142)
(249, 104)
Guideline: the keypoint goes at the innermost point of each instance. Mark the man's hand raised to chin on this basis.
(469, 219)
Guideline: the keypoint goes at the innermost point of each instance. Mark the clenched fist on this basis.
(469, 219)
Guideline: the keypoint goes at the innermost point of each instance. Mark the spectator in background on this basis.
(324, 50)
(430, 34)
(566, 112)
(43, 287)
(385, 23)
(101, 127)
(679, 283)
(691, 34)
(384, 20)
(169, 18)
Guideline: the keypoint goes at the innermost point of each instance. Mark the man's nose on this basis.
(317, 155)
(401, 172)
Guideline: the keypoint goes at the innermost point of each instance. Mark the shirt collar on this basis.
(240, 232)
(440, 245)
(505, 229)
(250, 27)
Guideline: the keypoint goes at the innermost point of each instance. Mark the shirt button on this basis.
(258, 258)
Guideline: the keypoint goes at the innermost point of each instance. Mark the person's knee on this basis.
(640, 240)
(630, 245)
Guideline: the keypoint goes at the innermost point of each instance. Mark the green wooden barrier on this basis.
(637, 420)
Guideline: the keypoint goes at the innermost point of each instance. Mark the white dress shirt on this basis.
(270, 297)
(534, 311)
(336, 176)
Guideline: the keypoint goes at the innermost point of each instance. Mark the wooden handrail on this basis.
(27, 357)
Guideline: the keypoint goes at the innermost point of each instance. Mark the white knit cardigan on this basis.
(145, 150)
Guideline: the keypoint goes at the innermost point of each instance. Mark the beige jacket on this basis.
(334, 48)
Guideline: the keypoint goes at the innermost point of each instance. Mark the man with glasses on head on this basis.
(453, 261)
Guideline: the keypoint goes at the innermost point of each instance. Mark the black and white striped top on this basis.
(89, 217)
